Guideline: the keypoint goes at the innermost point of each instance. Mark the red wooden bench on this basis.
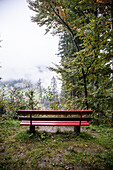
(63, 118)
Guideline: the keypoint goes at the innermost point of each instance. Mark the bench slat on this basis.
(55, 118)
(55, 112)
(54, 123)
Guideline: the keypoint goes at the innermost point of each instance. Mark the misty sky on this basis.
(25, 50)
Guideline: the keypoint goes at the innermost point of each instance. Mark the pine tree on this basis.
(40, 89)
(55, 100)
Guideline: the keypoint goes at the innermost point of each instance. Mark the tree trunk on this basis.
(111, 3)
(85, 88)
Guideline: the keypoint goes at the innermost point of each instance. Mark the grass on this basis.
(92, 149)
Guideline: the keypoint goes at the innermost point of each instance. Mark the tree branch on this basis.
(67, 26)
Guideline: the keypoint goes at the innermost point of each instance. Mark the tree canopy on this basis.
(86, 49)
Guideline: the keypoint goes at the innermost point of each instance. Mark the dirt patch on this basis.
(54, 129)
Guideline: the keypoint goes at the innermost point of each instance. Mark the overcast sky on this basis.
(25, 50)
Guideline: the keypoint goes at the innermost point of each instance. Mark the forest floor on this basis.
(55, 148)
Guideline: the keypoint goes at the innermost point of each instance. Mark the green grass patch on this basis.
(92, 149)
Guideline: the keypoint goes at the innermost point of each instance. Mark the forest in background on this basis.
(85, 29)
(22, 94)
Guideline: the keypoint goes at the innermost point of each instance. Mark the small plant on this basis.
(11, 100)
(32, 103)
(53, 100)
(42, 136)
(22, 136)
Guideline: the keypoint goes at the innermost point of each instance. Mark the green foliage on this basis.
(85, 68)
(22, 136)
(15, 101)
(2, 100)
(32, 103)
(40, 90)
(54, 103)
(11, 100)
(33, 97)
(0, 66)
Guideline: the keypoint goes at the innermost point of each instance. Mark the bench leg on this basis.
(32, 129)
(77, 129)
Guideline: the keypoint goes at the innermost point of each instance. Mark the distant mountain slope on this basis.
(21, 83)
